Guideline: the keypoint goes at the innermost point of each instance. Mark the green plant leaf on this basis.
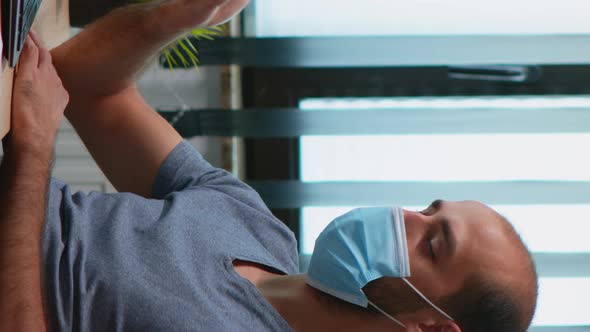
(187, 46)
(188, 51)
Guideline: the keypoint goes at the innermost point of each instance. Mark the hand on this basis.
(38, 103)
(227, 11)
(189, 14)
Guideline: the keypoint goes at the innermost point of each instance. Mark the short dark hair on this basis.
(479, 305)
(482, 306)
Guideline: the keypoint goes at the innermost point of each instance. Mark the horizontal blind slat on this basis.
(296, 194)
(261, 123)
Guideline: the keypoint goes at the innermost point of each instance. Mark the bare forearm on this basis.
(23, 196)
(106, 57)
(128, 140)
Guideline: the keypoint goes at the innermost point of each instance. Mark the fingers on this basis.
(44, 58)
(210, 4)
(44, 55)
(211, 7)
(36, 39)
(188, 14)
(29, 57)
(227, 11)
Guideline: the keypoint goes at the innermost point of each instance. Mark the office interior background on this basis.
(327, 105)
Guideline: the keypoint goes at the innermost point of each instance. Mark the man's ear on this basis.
(444, 326)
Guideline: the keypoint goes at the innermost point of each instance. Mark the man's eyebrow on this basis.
(449, 236)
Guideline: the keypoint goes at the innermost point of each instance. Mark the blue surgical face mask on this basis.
(358, 247)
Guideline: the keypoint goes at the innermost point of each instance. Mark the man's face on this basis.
(450, 241)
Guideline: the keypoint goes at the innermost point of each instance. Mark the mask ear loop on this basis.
(387, 315)
(427, 300)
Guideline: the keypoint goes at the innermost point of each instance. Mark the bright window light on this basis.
(562, 301)
(535, 223)
(279, 18)
(477, 157)
(474, 157)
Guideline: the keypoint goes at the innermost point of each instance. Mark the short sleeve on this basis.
(183, 168)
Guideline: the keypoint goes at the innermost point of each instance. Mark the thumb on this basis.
(227, 11)
(207, 8)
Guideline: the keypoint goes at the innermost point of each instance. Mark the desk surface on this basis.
(5, 97)
(5, 90)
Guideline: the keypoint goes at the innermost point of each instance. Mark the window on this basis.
(282, 18)
(546, 228)
(517, 145)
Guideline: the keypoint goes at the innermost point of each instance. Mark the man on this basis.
(39, 100)
(185, 246)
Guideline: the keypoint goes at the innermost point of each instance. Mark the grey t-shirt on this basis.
(120, 262)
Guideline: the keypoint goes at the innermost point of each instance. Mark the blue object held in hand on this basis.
(17, 19)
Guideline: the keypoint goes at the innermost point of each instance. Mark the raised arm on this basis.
(39, 101)
(125, 136)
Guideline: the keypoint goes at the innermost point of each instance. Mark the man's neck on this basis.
(307, 309)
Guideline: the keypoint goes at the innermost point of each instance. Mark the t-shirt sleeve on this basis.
(185, 169)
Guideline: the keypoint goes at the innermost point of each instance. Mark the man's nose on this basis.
(414, 217)
(416, 227)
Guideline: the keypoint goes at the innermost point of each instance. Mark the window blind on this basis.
(523, 155)
(550, 228)
(282, 18)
